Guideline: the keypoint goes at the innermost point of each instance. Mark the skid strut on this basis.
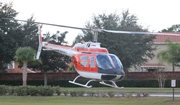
(84, 85)
(111, 85)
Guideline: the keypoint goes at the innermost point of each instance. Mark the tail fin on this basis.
(40, 41)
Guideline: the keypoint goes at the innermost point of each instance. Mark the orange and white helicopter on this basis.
(90, 59)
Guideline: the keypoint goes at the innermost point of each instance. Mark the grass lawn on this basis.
(124, 90)
(68, 100)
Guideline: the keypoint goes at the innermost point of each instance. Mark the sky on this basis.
(152, 14)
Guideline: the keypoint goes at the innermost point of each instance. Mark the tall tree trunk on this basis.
(24, 75)
(45, 78)
(173, 67)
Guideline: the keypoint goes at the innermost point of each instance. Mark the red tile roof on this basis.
(163, 38)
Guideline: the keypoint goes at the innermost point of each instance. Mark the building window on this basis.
(11, 65)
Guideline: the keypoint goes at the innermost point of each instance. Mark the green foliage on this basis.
(28, 90)
(14, 35)
(73, 94)
(45, 90)
(33, 90)
(65, 92)
(24, 54)
(132, 50)
(173, 28)
(171, 55)
(3, 90)
(29, 32)
(21, 91)
(52, 61)
(111, 94)
(10, 34)
(58, 90)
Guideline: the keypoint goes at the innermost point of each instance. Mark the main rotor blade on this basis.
(50, 24)
(100, 30)
(134, 32)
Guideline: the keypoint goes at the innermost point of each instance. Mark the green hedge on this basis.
(29, 90)
(56, 91)
(65, 83)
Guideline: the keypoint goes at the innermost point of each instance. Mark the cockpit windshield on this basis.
(108, 61)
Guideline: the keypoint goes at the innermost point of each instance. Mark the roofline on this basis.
(164, 43)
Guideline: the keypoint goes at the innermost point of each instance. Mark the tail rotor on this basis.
(40, 41)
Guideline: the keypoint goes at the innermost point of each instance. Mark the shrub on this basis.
(91, 93)
(46, 90)
(21, 90)
(145, 94)
(10, 90)
(33, 90)
(3, 90)
(73, 94)
(81, 93)
(65, 92)
(58, 90)
(111, 94)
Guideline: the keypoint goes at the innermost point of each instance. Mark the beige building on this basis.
(155, 64)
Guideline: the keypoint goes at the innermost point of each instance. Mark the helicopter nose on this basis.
(120, 76)
(119, 72)
(122, 73)
(112, 77)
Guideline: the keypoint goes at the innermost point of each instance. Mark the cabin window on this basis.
(92, 62)
(84, 61)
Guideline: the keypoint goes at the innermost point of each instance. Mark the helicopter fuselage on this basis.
(96, 63)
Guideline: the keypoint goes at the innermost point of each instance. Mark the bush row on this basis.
(56, 90)
(29, 90)
(65, 83)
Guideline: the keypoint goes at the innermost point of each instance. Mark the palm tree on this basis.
(171, 55)
(23, 56)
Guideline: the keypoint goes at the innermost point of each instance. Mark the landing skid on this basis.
(111, 85)
(84, 85)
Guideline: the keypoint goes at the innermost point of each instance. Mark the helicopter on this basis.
(90, 59)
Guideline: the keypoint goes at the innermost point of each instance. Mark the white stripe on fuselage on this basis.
(92, 75)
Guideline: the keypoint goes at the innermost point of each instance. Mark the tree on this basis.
(53, 61)
(24, 55)
(173, 28)
(171, 55)
(10, 35)
(30, 35)
(14, 34)
(77, 39)
(131, 49)
(161, 77)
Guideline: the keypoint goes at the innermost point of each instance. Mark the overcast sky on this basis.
(154, 14)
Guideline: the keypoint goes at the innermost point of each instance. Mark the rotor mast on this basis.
(95, 36)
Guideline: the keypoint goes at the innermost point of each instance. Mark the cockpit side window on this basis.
(104, 62)
(84, 61)
(116, 61)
